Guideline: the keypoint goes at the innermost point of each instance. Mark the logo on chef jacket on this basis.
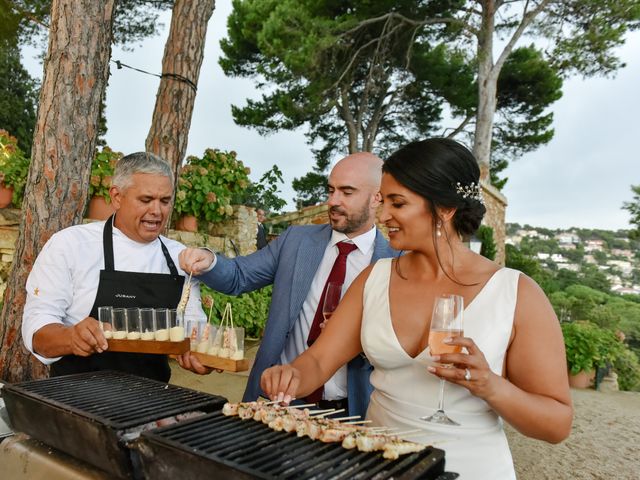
(124, 295)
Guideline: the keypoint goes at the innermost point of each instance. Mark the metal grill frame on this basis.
(244, 449)
(84, 431)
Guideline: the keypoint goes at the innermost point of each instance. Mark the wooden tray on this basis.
(149, 346)
(222, 363)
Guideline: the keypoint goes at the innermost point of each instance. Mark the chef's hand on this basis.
(471, 370)
(280, 383)
(195, 260)
(191, 363)
(86, 338)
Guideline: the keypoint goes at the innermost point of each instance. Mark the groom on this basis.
(299, 263)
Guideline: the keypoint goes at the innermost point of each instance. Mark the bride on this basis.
(512, 366)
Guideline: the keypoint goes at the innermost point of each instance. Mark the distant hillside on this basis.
(612, 253)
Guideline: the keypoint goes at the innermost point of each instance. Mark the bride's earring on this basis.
(439, 228)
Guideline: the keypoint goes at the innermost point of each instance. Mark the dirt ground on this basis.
(604, 443)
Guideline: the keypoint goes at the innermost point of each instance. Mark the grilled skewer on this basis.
(327, 430)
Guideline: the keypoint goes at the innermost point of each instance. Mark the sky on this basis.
(580, 179)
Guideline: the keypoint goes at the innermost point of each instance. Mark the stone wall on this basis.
(236, 236)
(315, 214)
(496, 204)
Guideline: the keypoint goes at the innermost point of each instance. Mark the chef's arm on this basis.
(56, 340)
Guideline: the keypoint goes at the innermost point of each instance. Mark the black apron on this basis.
(124, 290)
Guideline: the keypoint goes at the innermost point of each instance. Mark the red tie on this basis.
(336, 275)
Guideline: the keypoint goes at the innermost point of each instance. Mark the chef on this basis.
(123, 262)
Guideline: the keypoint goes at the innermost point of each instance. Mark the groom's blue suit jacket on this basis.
(289, 263)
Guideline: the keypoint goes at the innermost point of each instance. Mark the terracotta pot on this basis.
(99, 209)
(6, 193)
(187, 223)
(582, 379)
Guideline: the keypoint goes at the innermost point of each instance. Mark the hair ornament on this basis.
(472, 191)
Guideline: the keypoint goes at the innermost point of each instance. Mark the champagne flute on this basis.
(331, 300)
(446, 322)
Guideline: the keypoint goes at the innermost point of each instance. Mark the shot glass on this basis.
(134, 331)
(194, 330)
(236, 349)
(147, 323)
(176, 325)
(204, 342)
(162, 324)
(216, 343)
(105, 319)
(119, 316)
(232, 343)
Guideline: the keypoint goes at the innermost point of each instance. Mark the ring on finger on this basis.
(467, 374)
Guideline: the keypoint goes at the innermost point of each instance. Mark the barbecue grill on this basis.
(218, 446)
(86, 415)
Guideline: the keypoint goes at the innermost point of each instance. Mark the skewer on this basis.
(346, 418)
(357, 422)
(406, 432)
(300, 406)
(314, 413)
(330, 412)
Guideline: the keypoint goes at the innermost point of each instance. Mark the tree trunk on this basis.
(75, 75)
(181, 64)
(487, 88)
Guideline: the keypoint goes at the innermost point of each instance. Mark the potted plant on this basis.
(588, 347)
(14, 168)
(102, 168)
(207, 185)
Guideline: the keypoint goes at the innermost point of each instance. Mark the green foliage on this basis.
(311, 189)
(627, 367)
(586, 33)
(633, 207)
(102, 168)
(26, 21)
(320, 73)
(519, 260)
(527, 86)
(264, 193)
(592, 277)
(250, 310)
(488, 248)
(589, 346)
(14, 167)
(532, 245)
(207, 185)
(18, 97)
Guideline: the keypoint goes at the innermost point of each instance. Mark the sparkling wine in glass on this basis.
(446, 322)
(331, 300)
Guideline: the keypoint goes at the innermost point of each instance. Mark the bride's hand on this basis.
(280, 383)
(470, 370)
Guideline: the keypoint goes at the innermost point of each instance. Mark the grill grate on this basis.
(116, 399)
(86, 415)
(260, 452)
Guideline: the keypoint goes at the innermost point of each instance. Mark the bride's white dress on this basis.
(406, 391)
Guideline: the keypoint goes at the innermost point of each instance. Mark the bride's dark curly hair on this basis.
(433, 168)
